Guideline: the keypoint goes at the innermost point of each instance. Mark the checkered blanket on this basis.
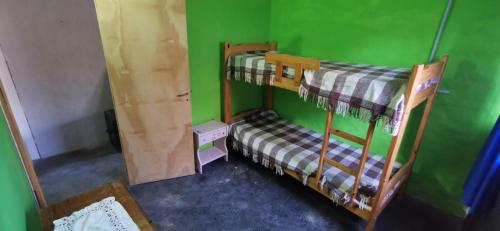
(369, 93)
(252, 68)
(279, 144)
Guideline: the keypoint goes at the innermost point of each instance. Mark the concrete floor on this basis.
(238, 195)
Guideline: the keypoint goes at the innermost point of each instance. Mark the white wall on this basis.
(16, 108)
(55, 57)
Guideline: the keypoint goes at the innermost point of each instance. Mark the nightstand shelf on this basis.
(214, 132)
(210, 155)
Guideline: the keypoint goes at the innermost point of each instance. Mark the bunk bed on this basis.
(360, 181)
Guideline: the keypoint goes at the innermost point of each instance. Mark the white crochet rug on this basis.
(105, 215)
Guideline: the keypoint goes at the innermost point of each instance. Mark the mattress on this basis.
(279, 144)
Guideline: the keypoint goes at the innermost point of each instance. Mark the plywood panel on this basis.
(145, 47)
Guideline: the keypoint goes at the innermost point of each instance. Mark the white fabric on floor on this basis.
(105, 215)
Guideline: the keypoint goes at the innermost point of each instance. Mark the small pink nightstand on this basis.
(212, 131)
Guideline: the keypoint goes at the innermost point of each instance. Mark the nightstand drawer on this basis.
(212, 135)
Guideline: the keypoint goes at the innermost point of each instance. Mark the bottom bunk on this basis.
(281, 145)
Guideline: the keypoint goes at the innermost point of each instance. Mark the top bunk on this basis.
(367, 92)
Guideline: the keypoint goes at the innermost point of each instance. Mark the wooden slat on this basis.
(348, 136)
(145, 47)
(292, 61)
(227, 101)
(287, 84)
(296, 62)
(278, 72)
(234, 49)
(243, 114)
(227, 85)
(340, 166)
(298, 73)
(115, 189)
(324, 147)
(362, 161)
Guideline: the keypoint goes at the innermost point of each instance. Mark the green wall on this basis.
(462, 120)
(210, 23)
(374, 32)
(18, 210)
(384, 32)
(400, 33)
(389, 32)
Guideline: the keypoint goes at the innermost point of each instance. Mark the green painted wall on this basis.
(210, 23)
(390, 32)
(400, 33)
(462, 120)
(375, 32)
(19, 210)
(384, 32)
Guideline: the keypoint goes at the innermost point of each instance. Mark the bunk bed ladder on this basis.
(365, 142)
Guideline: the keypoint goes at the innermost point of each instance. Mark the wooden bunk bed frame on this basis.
(389, 186)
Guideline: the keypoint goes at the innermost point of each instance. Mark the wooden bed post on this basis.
(269, 97)
(227, 85)
(389, 163)
(393, 150)
(427, 112)
(229, 50)
(269, 89)
(423, 123)
(420, 74)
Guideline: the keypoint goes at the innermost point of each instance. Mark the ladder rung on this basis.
(340, 166)
(348, 136)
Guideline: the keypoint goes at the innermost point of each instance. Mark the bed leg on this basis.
(401, 190)
(269, 97)
(370, 226)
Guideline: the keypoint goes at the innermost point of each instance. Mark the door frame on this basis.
(11, 93)
(20, 144)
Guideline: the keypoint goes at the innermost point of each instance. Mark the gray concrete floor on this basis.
(238, 195)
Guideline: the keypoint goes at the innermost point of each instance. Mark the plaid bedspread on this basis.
(366, 92)
(279, 144)
(369, 93)
(252, 68)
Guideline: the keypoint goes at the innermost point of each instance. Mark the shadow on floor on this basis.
(68, 175)
(238, 195)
